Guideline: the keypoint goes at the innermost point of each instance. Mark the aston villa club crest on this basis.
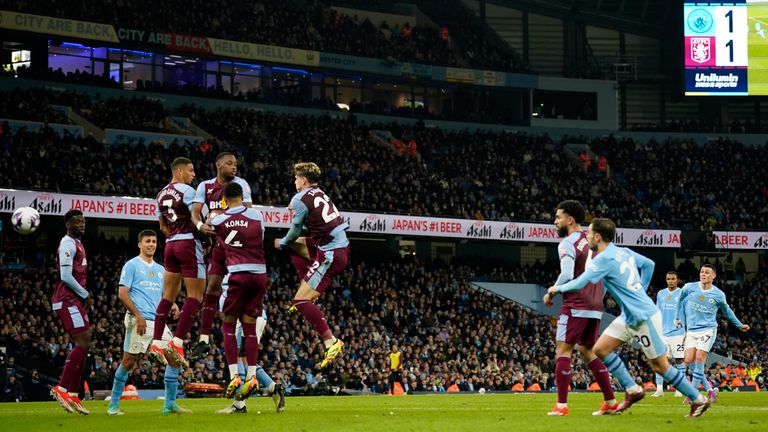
(701, 49)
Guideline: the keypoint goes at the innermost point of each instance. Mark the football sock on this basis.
(603, 378)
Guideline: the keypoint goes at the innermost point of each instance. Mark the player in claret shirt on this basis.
(581, 311)
(71, 302)
(209, 200)
(240, 233)
(313, 209)
(183, 260)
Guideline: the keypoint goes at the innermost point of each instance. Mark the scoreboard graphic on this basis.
(726, 48)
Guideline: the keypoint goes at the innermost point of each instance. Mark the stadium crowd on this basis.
(449, 332)
(443, 173)
(717, 185)
(287, 24)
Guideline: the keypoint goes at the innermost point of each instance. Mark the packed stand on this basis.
(30, 105)
(715, 185)
(459, 174)
(43, 160)
(286, 24)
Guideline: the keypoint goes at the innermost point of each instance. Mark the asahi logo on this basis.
(373, 224)
(7, 202)
(619, 238)
(479, 230)
(47, 204)
(650, 238)
(761, 242)
(512, 232)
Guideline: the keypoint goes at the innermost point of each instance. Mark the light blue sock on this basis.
(265, 381)
(659, 382)
(118, 385)
(171, 385)
(704, 379)
(678, 381)
(698, 375)
(681, 367)
(616, 368)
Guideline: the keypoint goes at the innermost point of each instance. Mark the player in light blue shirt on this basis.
(626, 275)
(667, 300)
(140, 290)
(703, 301)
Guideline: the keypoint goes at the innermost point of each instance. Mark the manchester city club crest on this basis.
(700, 21)
(700, 49)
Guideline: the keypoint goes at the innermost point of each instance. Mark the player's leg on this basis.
(193, 273)
(77, 357)
(171, 381)
(563, 356)
(677, 344)
(230, 352)
(133, 344)
(649, 336)
(232, 309)
(274, 390)
(327, 264)
(701, 361)
(617, 333)
(587, 331)
(659, 377)
(75, 321)
(118, 383)
(256, 288)
(171, 288)
(216, 271)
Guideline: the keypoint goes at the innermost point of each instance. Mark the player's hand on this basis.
(141, 325)
(678, 324)
(206, 229)
(88, 303)
(278, 246)
(744, 328)
(552, 292)
(548, 300)
(175, 311)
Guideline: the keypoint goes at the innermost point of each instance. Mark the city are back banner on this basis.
(145, 209)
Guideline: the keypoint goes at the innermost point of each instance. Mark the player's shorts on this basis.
(217, 263)
(577, 330)
(243, 294)
(73, 316)
(675, 346)
(185, 257)
(137, 344)
(647, 334)
(326, 265)
(701, 340)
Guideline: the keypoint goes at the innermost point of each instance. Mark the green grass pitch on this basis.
(758, 50)
(507, 412)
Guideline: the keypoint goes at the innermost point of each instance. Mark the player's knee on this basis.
(600, 352)
(128, 362)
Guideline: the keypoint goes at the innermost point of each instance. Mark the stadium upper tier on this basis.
(443, 40)
(393, 168)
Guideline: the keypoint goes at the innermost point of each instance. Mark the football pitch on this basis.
(757, 76)
(463, 412)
